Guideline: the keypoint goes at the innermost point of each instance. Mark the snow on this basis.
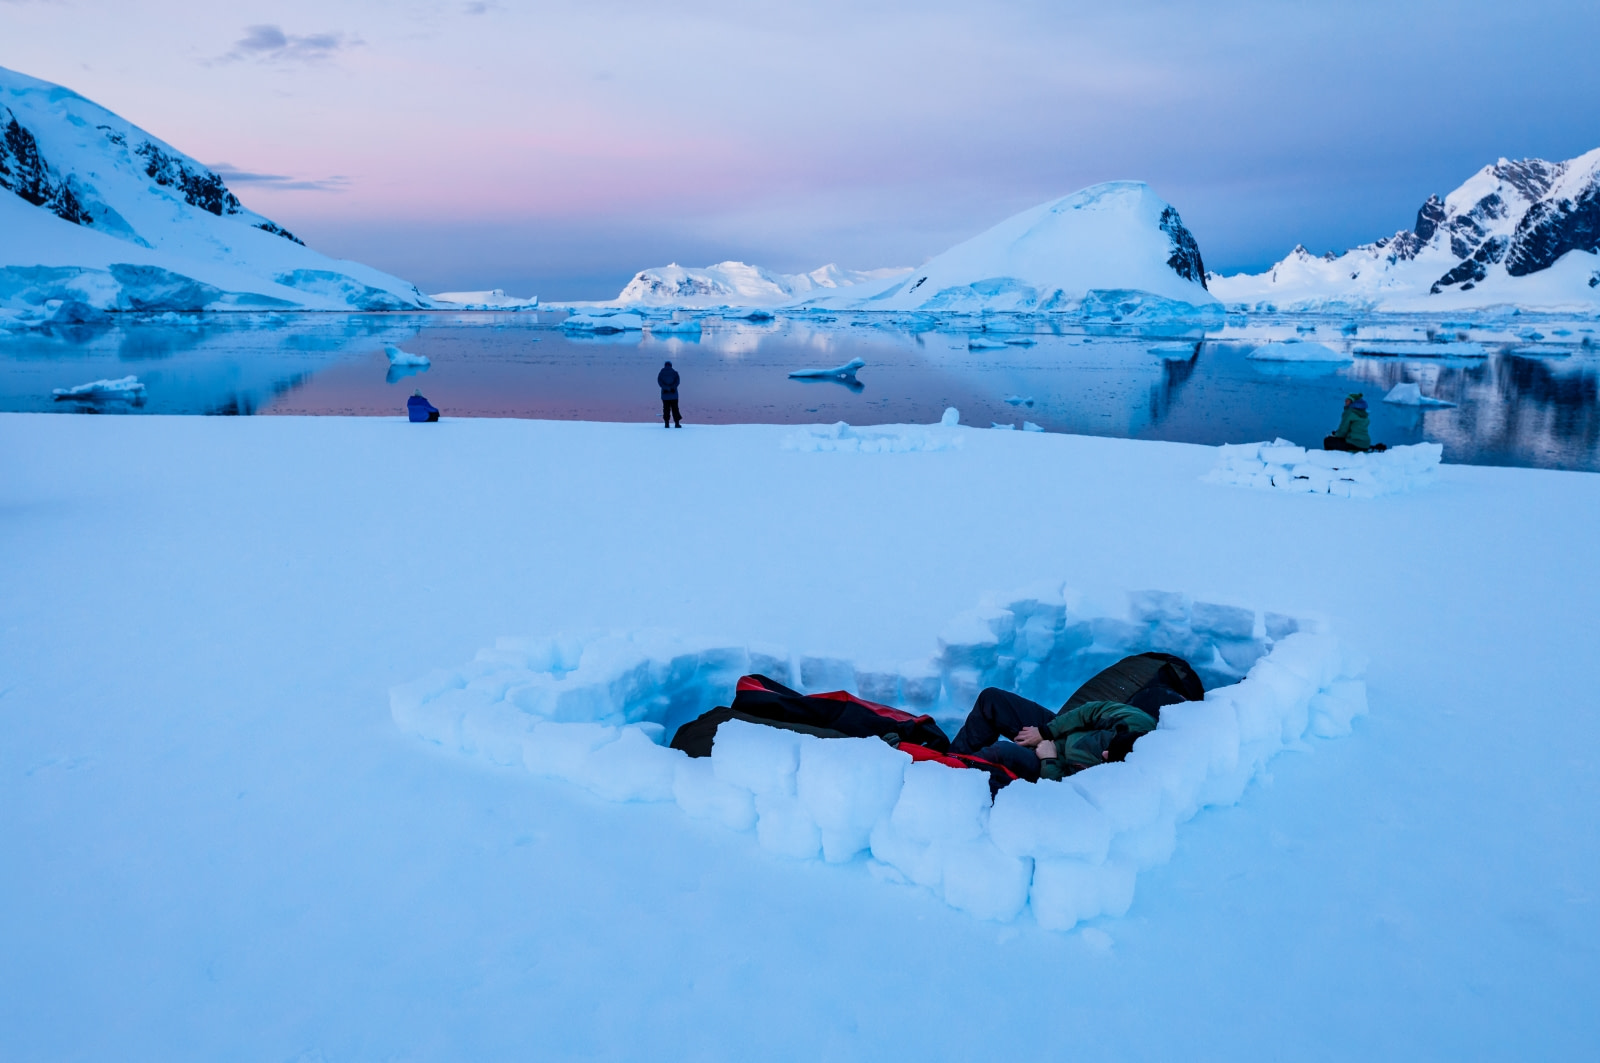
(397, 357)
(845, 371)
(1283, 466)
(888, 439)
(1405, 273)
(127, 389)
(494, 299)
(1411, 395)
(220, 844)
(737, 284)
(1297, 350)
(146, 247)
(1100, 252)
(602, 322)
(596, 710)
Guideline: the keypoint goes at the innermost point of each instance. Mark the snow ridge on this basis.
(1524, 232)
(93, 194)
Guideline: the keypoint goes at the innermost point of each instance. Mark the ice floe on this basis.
(398, 357)
(1297, 350)
(847, 371)
(1283, 466)
(595, 710)
(123, 389)
(1411, 395)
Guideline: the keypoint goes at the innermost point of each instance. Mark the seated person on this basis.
(1099, 723)
(1352, 434)
(420, 410)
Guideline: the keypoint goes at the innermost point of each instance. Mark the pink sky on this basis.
(519, 145)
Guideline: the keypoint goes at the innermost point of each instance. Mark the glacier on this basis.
(103, 217)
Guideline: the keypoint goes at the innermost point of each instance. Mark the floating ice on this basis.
(689, 327)
(847, 371)
(123, 389)
(1018, 400)
(950, 417)
(601, 322)
(594, 709)
(1286, 467)
(405, 358)
(1176, 351)
(1029, 426)
(1297, 350)
(1411, 395)
(1422, 349)
(494, 299)
(985, 343)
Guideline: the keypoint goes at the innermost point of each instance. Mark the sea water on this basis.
(1534, 400)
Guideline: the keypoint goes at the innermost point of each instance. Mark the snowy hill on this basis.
(104, 216)
(739, 284)
(1523, 233)
(1110, 250)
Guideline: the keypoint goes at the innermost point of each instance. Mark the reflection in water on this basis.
(1512, 409)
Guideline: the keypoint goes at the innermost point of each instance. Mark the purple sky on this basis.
(557, 148)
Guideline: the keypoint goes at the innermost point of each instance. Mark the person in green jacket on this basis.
(1352, 433)
(1099, 723)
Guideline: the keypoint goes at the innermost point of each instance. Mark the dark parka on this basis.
(668, 379)
(1099, 712)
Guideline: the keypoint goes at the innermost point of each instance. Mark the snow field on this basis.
(595, 710)
(1286, 467)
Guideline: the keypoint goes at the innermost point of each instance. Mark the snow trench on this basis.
(596, 710)
(1283, 466)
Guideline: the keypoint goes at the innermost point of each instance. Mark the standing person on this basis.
(668, 379)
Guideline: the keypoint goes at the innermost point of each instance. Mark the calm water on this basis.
(1537, 407)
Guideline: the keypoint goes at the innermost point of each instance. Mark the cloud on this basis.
(482, 7)
(234, 176)
(269, 44)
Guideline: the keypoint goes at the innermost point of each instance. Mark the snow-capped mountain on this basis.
(1111, 250)
(102, 215)
(739, 284)
(1523, 232)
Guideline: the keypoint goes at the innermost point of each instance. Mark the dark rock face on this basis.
(24, 171)
(1474, 269)
(1551, 229)
(200, 188)
(1185, 259)
(277, 230)
(1429, 218)
(1547, 229)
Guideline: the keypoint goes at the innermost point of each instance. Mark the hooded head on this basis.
(669, 365)
(1355, 400)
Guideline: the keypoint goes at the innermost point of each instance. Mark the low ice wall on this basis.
(595, 710)
(1286, 467)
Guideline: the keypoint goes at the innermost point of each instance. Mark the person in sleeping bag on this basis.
(1099, 723)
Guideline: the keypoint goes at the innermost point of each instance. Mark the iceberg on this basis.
(397, 357)
(1294, 350)
(847, 371)
(1411, 395)
(494, 299)
(124, 389)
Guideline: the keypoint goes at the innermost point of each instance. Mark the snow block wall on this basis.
(890, 439)
(596, 710)
(1286, 467)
